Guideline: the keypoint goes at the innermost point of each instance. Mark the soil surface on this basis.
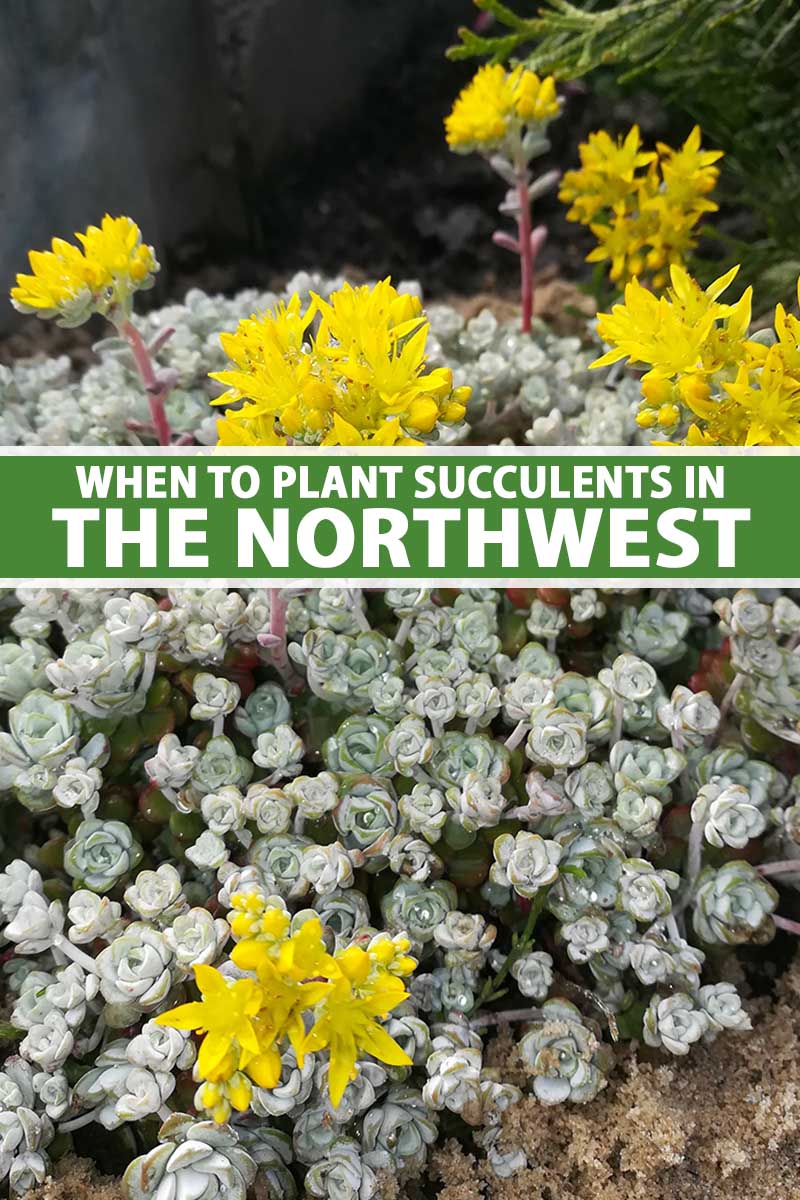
(722, 1124)
(76, 1179)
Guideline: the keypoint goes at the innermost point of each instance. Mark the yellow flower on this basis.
(787, 326)
(271, 366)
(689, 173)
(642, 206)
(481, 112)
(535, 98)
(225, 1015)
(621, 244)
(695, 392)
(770, 403)
(787, 331)
(649, 331)
(246, 1021)
(235, 430)
(391, 953)
(608, 174)
(342, 433)
(361, 336)
(276, 336)
(495, 104)
(71, 283)
(352, 313)
(361, 379)
(657, 391)
(677, 333)
(346, 1019)
(254, 917)
(293, 975)
(695, 302)
(220, 1097)
(703, 368)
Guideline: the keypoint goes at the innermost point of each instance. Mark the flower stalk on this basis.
(526, 253)
(156, 385)
(275, 642)
(504, 116)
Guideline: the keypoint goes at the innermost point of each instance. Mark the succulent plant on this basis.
(563, 1056)
(463, 819)
(199, 1159)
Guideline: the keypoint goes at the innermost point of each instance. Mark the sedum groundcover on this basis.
(280, 864)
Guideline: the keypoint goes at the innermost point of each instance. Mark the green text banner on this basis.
(663, 516)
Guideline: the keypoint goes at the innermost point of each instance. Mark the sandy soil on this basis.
(723, 1124)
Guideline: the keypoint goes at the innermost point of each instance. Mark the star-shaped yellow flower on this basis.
(226, 1016)
(346, 1021)
(70, 282)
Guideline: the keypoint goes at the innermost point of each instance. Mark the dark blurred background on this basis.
(252, 138)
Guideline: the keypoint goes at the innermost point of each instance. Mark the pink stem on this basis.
(278, 650)
(525, 248)
(787, 925)
(787, 866)
(156, 389)
(161, 339)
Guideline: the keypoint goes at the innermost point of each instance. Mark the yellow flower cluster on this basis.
(359, 379)
(295, 992)
(703, 367)
(72, 282)
(496, 104)
(642, 206)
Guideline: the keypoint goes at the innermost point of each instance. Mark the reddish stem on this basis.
(525, 248)
(161, 339)
(279, 652)
(156, 390)
(787, 925)
(787, 866)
